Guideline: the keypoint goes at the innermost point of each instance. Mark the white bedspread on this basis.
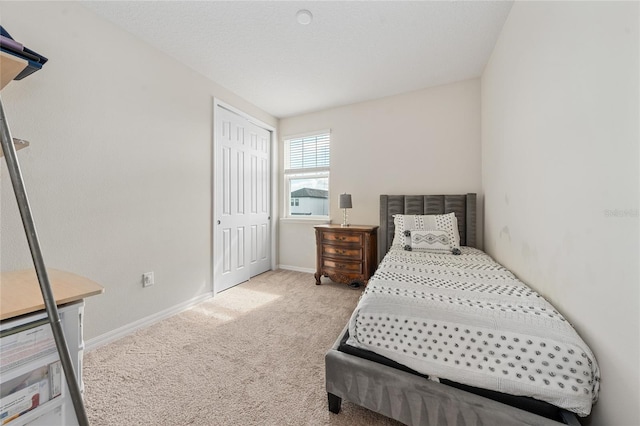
(468, 319)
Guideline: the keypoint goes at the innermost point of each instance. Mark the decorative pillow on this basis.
(430, 240)
(446, 222)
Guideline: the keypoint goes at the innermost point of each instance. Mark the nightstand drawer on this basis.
(338, 265)
(342, 237)
(342, 252)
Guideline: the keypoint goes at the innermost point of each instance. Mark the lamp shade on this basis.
(345, 201)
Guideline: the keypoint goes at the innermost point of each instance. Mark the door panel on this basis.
(226, 247)
(240, 185)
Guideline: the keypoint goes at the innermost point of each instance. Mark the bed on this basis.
(455, 339)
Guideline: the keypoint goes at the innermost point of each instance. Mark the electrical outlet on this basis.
(147, 279)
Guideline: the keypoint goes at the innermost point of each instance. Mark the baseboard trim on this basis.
(119, 333)
(297, 269)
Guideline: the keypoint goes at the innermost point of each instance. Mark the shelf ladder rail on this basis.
(20, 193)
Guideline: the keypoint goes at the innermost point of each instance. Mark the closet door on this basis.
(259, 191)
(242, 196)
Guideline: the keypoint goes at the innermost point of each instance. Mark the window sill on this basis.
(311, 220)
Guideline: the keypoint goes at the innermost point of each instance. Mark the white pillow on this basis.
(446, 222)
(429, 240)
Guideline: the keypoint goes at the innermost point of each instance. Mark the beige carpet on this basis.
(253, 355)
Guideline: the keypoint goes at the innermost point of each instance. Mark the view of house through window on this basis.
(307, 175)
(310, 199)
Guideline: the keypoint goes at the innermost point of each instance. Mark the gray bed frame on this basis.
(406, 397)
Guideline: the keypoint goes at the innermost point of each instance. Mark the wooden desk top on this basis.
(20, 292)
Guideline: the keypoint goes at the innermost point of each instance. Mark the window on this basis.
(306, 175)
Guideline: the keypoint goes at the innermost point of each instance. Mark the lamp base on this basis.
(344, 218)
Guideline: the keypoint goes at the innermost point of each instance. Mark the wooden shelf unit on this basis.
(22, 305)
(10, 67)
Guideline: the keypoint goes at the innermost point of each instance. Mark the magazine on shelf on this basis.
(10, 43)
(28, 391)
(23, 344)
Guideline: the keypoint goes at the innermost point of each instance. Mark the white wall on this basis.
(560, 175)
(119, 169)
(422, 142)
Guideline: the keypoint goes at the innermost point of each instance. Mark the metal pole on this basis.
(41, 271)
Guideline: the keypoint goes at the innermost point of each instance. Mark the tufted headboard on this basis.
(463, 205)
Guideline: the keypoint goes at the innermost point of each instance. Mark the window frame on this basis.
(290, 174)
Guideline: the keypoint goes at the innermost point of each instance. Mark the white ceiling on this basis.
(352, 51)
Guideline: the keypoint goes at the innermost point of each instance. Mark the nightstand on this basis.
(346, 254)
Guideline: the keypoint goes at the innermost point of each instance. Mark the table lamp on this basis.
(345, 203)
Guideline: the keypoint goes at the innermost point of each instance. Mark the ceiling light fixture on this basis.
(304, 17)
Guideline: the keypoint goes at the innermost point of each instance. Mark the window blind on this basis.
(309, 152)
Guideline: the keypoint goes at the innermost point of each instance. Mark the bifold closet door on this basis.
(242, 200)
